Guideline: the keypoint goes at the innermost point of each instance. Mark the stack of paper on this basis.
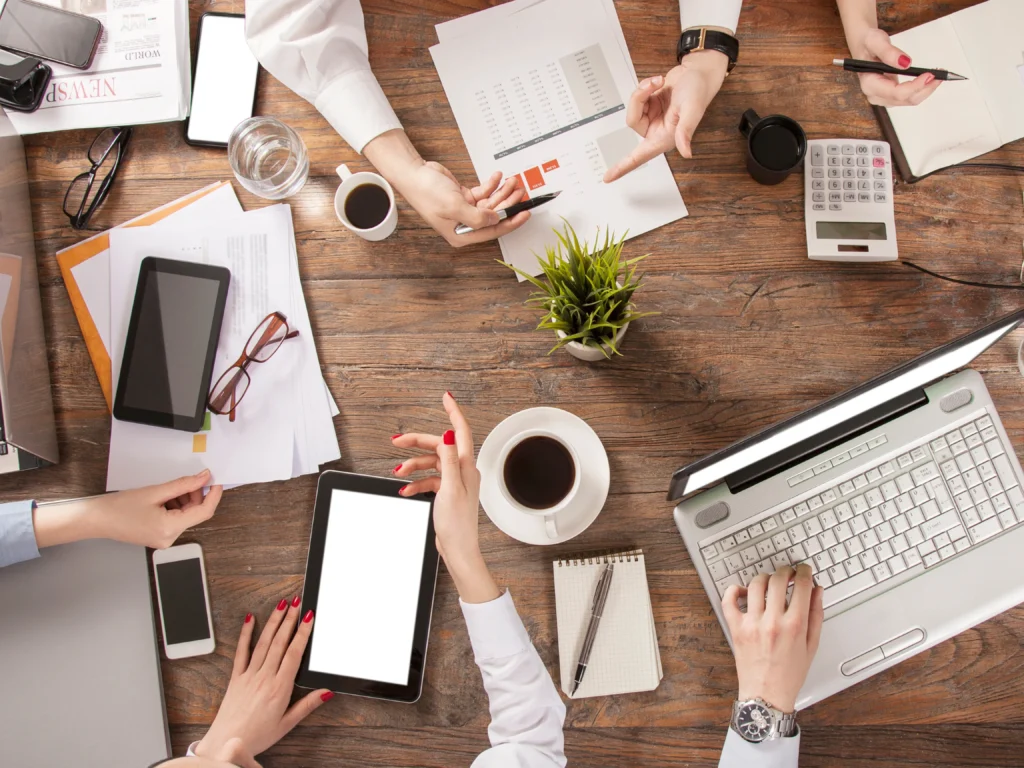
(141, 73)
(554, 115)
(284, 426)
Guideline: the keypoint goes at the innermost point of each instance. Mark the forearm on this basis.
(858, 16)
(472, 578)
(64, 523)
(394, 156)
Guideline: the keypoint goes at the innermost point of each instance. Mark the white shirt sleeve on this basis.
(775, 753)
(527, 713)
(710, 13)
(318, 49)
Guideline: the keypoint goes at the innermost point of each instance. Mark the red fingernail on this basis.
(395, 470)
(283, 604)
(450, 395)
(904, 61)
(295, 602)
(327, 696)
(308, 617)
(248, 618)
(449, 438)
(395, 437)
(403, 489)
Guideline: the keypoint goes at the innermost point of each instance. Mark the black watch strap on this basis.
(701, 39)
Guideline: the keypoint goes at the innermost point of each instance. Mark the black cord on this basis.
(919, 268)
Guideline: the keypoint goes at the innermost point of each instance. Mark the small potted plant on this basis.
(587, 296)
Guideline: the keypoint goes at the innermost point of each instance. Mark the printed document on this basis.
(554, 115)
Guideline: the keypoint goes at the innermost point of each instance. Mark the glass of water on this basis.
(268, 158)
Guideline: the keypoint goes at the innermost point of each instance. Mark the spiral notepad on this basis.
(625, 657)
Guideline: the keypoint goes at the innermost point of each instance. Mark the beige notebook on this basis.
(625, 657)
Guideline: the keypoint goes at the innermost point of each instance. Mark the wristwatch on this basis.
(756, 720)
(703, 39)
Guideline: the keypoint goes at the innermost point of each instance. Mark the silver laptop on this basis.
(79, 661)
(903, 494)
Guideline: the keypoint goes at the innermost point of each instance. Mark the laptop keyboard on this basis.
(913, 512)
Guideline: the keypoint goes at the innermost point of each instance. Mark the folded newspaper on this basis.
(142, 72)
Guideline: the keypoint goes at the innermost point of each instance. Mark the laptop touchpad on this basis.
(896, 646)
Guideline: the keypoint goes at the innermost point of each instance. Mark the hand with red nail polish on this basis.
(868, 42)
(255, 711)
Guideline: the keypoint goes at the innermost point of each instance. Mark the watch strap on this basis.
(704, 39)
(785, 723)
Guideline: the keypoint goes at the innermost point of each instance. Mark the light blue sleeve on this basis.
(17, 533)
(775, 753)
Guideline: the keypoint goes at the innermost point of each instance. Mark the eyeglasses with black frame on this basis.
(230, 388)
(88, 190)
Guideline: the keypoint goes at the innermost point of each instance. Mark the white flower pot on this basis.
(589, 353)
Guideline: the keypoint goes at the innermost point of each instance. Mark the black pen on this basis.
(604, 586)
(877, 67)
(512, 210)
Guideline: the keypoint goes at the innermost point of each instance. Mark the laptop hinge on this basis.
(812, 446)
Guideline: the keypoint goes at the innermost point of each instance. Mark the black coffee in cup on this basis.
(539, 472)
(367, 206)
(775, 146)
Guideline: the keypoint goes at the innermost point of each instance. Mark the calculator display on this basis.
(850, 230)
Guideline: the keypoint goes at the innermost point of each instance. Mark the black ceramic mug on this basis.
(776, 146)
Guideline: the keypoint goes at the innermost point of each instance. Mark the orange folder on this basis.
(87, 249)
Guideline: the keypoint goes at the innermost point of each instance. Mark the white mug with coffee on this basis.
(365, 203)
(540, 475)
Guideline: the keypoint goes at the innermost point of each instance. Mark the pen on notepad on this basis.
(604, 586)
(877, 67)
(512, 210)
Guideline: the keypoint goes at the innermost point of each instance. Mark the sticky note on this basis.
(198, 443)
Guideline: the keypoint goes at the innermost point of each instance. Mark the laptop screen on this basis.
(898, 381)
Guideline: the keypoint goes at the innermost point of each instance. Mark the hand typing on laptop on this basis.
(154, 516)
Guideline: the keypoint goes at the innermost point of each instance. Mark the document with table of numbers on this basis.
(544, 99)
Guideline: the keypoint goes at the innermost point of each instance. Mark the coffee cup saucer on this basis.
(595, 476)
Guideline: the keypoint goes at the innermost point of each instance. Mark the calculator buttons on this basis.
(847, 173)
(833, 161)
(879, 162)
(862, 173)
(881, 185)
(879, 173)
(835, 184)
(818, 197)
(833, 149)
(851, 197)
(818, 184)
(849, 161)
(835, 197)
(863, 197)
(847, 149)
(835, 206)
(862, 161)
(877, 149)
(833, 173)
(865, 184)
(849, 185)
(817, 173)
(818, 206)
(880, 197)
(817, 156)
(862, 149)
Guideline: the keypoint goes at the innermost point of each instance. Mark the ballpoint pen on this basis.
(877, 67)
(512, 210)
(604, 586)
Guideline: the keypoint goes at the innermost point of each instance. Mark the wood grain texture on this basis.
(750, 331)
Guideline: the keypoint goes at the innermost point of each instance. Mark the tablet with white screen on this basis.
(370, 578)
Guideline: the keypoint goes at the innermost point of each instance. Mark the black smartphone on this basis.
(49, 33)
(172, 341)
(224, 80)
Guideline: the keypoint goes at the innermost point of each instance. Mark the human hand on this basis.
(438, 196)
(255, 709)
(456, 507)
(775, 644)
(665, 111)
(872, 44)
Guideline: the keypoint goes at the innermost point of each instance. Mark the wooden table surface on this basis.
(750, 331)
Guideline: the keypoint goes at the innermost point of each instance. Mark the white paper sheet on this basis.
(554, 112)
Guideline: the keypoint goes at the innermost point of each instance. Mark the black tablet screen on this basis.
(166, 361)
(369, 586)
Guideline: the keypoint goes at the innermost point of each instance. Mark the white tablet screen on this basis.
(369, 587)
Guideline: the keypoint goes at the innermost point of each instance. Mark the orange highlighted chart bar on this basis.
(533, 178)
(550, 165)
(522, 185)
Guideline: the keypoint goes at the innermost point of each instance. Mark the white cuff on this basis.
(774, 753)
(710, 13)
(192, 749)
(357, 108)
(495, 629)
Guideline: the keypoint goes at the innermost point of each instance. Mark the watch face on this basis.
(754, 722)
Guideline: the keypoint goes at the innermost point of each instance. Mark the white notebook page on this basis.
(625, 657)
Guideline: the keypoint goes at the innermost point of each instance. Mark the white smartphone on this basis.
(184, 601)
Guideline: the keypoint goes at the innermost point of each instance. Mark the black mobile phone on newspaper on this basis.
(49, 33)
(223, 81)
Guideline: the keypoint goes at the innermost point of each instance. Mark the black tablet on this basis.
(171, 344)
(370, 578)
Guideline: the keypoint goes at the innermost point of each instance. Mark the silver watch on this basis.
(756, 720)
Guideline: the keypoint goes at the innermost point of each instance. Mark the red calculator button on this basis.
(879, 162)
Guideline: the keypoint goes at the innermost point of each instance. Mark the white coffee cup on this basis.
(349, 181)
(549, 514)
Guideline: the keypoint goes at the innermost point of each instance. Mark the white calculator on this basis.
(848, 200)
